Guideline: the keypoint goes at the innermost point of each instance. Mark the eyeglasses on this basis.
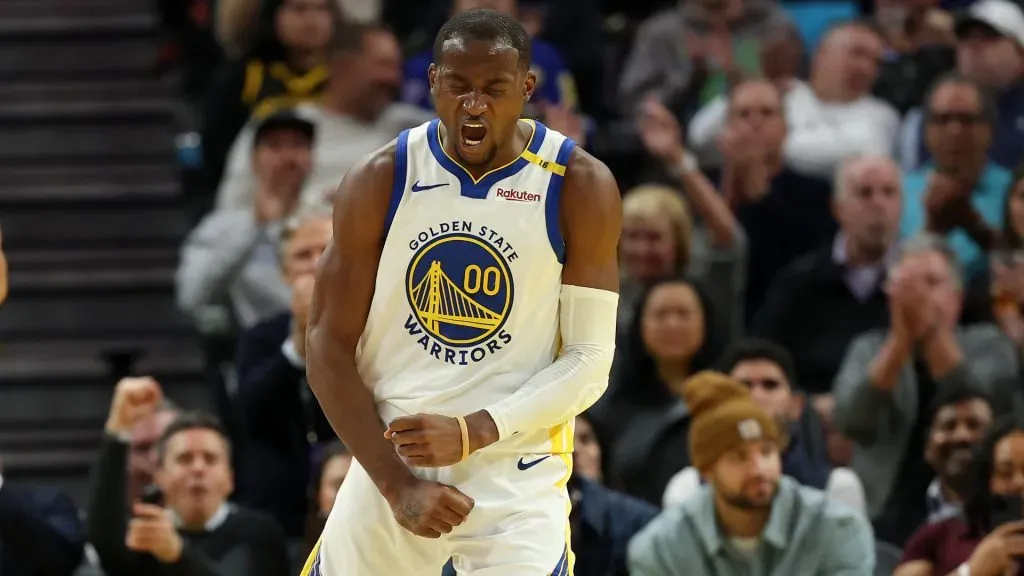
(965, 118)
(768, 384)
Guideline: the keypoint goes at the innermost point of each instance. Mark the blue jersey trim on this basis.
(398, 185)
(553, 201)
(562, 568)
(471, 187)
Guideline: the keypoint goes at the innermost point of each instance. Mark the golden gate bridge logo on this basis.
(460, 289)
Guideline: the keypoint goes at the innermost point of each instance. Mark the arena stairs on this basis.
(91, 224)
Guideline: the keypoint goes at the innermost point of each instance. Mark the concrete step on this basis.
(129, 313)
(91, 280)
(104, 140)
(86, 109)
(96, 57)
(26, 360)
(34, 9)
(79, 257)
(71, 91)
(113, 226)
(75, 23)
(50, 461)
(95, 175)
(38, 438)
(93, 193)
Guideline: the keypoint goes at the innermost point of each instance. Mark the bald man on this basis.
(817, 304)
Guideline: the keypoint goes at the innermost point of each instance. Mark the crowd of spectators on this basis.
(818, 368)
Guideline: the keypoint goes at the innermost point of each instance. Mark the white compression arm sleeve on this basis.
(577, 377)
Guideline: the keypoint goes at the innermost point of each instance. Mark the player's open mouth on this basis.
(473, 133)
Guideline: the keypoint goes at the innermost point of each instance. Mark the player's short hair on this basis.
(191, 420)
(487, 25)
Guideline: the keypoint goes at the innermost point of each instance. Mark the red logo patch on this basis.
(517, 195)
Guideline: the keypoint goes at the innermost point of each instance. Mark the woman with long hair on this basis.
(988, 538)
(672, 336)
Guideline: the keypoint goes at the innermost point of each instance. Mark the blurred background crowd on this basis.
(823, 200)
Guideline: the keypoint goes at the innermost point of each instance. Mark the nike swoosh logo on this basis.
(417, 188)
(527, 465)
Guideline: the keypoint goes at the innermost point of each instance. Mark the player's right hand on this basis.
(134, 399)
(429, 509)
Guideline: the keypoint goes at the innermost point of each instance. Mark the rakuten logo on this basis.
(517, 195)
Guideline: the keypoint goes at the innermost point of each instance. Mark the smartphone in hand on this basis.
(152, 495)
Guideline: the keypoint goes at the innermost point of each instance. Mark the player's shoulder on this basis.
(591, 205)
(367, 184)
(377, 165)
(589, 180)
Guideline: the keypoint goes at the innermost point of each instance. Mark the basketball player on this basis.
(468, 300)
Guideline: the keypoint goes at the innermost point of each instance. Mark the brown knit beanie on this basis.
(722, 417)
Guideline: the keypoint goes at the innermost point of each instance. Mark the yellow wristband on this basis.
(465, 437)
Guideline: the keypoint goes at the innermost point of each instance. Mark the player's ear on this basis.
(432, 76)
(530, 85)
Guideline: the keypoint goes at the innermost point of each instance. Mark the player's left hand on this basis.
(152, 531)
(426, 440)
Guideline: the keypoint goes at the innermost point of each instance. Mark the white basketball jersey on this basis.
(466, 303)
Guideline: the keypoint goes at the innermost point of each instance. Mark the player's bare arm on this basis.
(591, 223)
(341, 303)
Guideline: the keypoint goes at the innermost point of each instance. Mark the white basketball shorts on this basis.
(519, 525)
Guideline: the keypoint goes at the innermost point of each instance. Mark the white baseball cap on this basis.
(1003, 16)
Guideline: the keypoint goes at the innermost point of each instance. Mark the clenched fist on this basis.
(153, 532)
(426, 440)
(429, 509)
(134, 399)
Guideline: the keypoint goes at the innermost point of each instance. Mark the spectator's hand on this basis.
(660, 132)
(944, 201)
(426, 440)
(562, 119)
(825, 406)
(302, 297)
(273, 204)
(937, 29)
(911, 309)
(151, 531)
(429, 509)
(134, 399)
(994, 556)
(3, 271)
(745, 164)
